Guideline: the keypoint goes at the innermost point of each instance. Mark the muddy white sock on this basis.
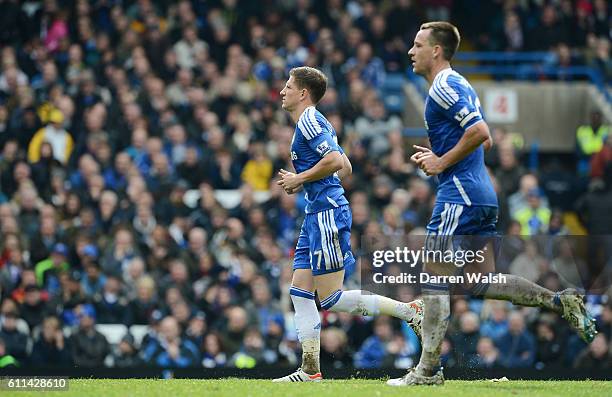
(308, 326)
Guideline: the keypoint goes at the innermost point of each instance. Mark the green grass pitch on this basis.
(333, 388)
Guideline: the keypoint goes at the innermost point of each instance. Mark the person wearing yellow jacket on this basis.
(534, 218)
(56, 135)
(257, 172)
(590, 140)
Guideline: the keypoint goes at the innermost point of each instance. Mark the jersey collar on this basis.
(448, 69)
(304, 112)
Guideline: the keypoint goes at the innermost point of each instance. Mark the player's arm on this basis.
(474, 136)
(488, 143)
(331, 162)
(478, 134)
(347, 168)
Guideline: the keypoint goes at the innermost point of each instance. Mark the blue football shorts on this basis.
(456, 226)
(324, 244)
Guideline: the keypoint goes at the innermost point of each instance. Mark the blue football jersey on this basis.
(452, 107)
(314, 137)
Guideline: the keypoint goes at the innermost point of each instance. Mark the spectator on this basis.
(225, 173)
(43, 241)
(47, 271)
(141, 307)
(213, 355)
(257, 171)
(196, 247)
(514, 39)
(170, 349)
(125, 355)
(487, 354)
(335, 352)
(16, 341)
(235, 329)
(89, 347)
(517, 346)
(178, 277)
(549, 33)
(534, 218)
(466, 340)
(253, 351)
(375, 126)
(447, 355)
(34, 307)
(595, 207)
(529, 263)
(605, 325)
(496, 324)
(372, 353)
(510, 170)
(51, 349)
(110, 304)
(590, 140)
(549, 346)
(595, 356)
(44, 168)
(519, 200)
(120, 252)
(601, 159)
(54, 133)
(6, 360)
(196, 329)
(190, 50)
(268, 312)
(93, 280)
(568, 265)
(601, 61)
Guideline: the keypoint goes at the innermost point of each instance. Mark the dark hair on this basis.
(445, 35)
(311, 79)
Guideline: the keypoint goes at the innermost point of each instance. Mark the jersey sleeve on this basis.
(457, 101)
(318, 135)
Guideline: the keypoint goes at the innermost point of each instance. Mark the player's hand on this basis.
(293, 191)
(427, 160)
(430, 163)
(289, 181)
(420, 152)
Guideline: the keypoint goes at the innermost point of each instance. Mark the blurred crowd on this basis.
(139, 143)
(575, 32)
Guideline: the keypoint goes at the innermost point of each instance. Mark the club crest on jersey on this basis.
(323, 148)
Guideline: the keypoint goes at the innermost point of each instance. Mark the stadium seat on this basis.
(227, 198)
(112, 332)
(138, 332)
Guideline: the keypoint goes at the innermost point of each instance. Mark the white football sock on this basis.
(308, 326)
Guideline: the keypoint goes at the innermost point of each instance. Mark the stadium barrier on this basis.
(269, 372)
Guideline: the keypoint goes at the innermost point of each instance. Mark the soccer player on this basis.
(466, 203)
(323, 249)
